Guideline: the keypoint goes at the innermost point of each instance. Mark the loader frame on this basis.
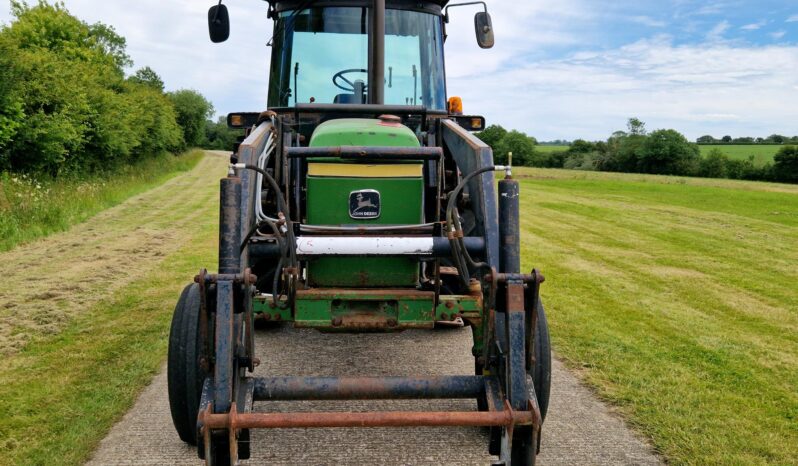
(263, 275)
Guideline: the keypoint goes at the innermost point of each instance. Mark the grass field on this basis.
(31, 209)
(547, 149)
(84, 315)
(676, 299)
(762, 153)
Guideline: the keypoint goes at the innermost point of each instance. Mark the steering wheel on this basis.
(340, 76)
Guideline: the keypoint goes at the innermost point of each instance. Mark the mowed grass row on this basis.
(677, 299)
(62, 392)
(31, 208)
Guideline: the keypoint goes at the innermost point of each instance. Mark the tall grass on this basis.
(31, 208)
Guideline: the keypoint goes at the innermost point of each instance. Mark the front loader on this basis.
(360, 201)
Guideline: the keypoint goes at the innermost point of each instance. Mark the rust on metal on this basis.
(235, 421)
(515, 298)
(365, 294)
(246, 278)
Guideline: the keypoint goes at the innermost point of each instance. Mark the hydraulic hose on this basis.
(455, 233)
(288, 248)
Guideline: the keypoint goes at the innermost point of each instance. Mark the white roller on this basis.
(363, 246)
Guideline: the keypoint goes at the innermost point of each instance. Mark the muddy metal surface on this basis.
(579, 430)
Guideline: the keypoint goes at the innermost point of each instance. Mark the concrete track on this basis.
(579, 429)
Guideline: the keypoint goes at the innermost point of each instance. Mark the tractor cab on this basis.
(321, 55)
(360, 201)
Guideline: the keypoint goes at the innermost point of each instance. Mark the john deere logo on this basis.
(364, 204)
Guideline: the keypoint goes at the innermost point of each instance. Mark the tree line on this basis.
(635, 150)
(773, 139)
(67, 106)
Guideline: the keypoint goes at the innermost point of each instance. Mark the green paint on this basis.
(328, 204)
(375, 309)
(328, 200)
(362, 132)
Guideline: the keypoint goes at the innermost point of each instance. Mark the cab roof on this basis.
(430, 6)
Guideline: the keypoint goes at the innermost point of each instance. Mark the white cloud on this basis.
(717, 87)
(753, 26)
(696, 89)
(716, 33)
(778, 34)
(792, 19)
(648, 21)
(712, 8)
(521, 28)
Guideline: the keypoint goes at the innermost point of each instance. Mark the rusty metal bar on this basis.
(232, 420)
(237, 278)
(368, 388)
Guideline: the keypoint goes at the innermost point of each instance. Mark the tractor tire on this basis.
(184, 374)
(541, 373)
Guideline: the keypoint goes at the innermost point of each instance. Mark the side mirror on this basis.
(219, 23)
(484, 29)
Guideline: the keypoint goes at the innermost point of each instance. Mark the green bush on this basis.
(667, 152)
(192, 112)
(65, 104)
(219, 137)
(785, 167)
(714, 165)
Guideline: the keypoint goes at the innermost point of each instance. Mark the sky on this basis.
(561, 69)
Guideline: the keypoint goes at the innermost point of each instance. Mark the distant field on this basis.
(550, 148)
(675, 298)
(762, 153)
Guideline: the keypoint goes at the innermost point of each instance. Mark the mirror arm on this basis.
(446, 10)
(216, 17)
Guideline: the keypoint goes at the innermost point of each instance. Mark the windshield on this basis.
(321, 55)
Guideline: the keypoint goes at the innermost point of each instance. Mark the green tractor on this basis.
(360, 201)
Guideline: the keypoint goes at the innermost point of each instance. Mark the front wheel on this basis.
(185, 376)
